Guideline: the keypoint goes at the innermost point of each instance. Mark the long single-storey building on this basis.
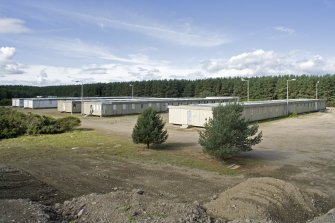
(73, 105)
(52, 102)
(198, 115)
(137, 105)
(40, 103)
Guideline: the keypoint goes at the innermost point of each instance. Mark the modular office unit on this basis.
(71, 106)
(110, 108)
(136, 106)
(40, 103)
(17, 102)
(198, 115)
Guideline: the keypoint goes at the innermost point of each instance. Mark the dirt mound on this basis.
(135, 206)
(268, 198)
(329, 217)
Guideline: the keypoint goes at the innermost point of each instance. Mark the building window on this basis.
(124, 106)
(149, 104)
(133, 106)
(141, 105)
(157, 105)
(114, 107)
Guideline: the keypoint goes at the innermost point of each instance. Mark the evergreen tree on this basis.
(228, 134)
(149, 128)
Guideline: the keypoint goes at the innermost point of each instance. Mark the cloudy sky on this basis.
(59, 42)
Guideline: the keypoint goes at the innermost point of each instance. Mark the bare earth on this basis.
(297, 150)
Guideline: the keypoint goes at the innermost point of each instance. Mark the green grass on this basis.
(104, 147)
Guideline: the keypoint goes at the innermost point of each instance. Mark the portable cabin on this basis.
(40, 103)
(71, 106)
(121, 107)
(17, 102)
(110, 107)
(198, 115)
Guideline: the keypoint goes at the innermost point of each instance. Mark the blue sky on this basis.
(59, 42)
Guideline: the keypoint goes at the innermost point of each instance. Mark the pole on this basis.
(316, 95)
(286, 97)
(287, 94)
(242, 79)
(132, 90)
(248, 89)
(82, 96)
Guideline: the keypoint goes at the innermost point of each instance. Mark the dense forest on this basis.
(261, 88)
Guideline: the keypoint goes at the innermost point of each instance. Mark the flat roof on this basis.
(246, 104)
(145, 100)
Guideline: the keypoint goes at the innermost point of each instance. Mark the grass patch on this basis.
(100, 146)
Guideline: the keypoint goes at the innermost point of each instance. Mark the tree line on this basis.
(261, 88)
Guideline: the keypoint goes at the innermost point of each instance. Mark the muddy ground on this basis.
(298, 150)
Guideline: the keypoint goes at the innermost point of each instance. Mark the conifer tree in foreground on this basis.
(227, 133)
(149, 128)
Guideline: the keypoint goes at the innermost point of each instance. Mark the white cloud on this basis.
(255, 63)
(261, 62)
(194, 37)
(11, 25)
(6, 53)
(76, 48)
(284, 29)
(7, 65)
(42, 78)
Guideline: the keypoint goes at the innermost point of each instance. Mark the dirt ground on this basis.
(298, 150)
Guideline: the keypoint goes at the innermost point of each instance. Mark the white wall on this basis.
(199, 115)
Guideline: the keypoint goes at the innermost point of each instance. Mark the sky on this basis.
(59, 42)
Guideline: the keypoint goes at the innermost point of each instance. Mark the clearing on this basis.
(101, 157)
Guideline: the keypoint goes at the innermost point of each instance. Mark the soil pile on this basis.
(270, 199)
(329, 217)
(135, 206)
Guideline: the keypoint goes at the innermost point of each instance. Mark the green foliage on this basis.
(5, 102)
(14, 123)
(11, 123)
(37, 124)
(68, 123)
(261, 88)
(293, 115)
(228, 134)
(149, 128)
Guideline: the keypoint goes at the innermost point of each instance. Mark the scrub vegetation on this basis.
(14, 123)
(227, 133)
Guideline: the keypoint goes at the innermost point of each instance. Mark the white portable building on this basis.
(40, 103)
(198, 115)
(17, 102)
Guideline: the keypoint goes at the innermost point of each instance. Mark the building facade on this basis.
(198, 115)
